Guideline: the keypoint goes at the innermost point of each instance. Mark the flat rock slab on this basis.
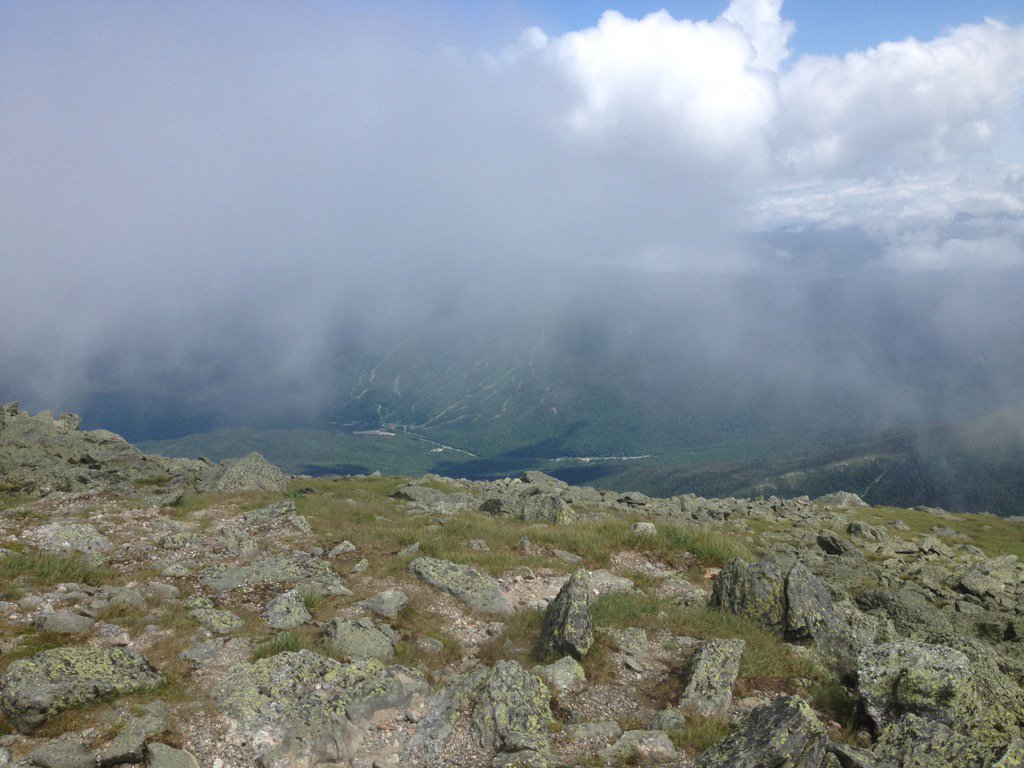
(34, 690)
(163, 756)
(477, 590)
(303, 706)
(271, 571)
(360, 639)
(62, 753)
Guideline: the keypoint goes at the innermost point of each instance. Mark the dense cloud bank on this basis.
(215, 200)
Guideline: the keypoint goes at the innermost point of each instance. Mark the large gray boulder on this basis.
(251, 473)
(34, 690)
(477, 590)
(917, 742)
(782, 734)
(513, 711)
(756, 590)
(309, 709)
(568, 627)
(931, 681)
(42, 453)
(313, 573)
(711, 675)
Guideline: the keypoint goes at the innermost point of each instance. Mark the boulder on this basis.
(568, 627)
(307, 708)
(63, 623)
(251, 473)
(513, 711)
(62, 753)
(563, 676)
(34, 690)
(711, 675)
(917, 742)
(287, 611)
(129, 745)
(755, 590)
(360, 639)
(942, 684)
(477, 590)
(782, 734)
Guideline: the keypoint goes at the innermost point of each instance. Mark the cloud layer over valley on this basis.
(231, 203)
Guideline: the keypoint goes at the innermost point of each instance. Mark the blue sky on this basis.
(822, 26)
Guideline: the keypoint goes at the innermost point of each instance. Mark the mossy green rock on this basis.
(756, 590)
(568, 627)
(711, 675)
(477, 590)
(34, 690)
(308, 702)
(513, 711)
(782, 734)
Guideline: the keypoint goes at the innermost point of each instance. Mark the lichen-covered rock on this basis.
(711, 675)
(389, 603)
(310, 572)
(444, 708)
(360, 639)
(287, 611)
(932, 681)
(34, 690)
(129, 745)
(782, 734)
(71, 537)
(563, 676)
(307, 707)
(477, 590)
(251, 473)
(811, 614)
(841, 499)
(568, 627)
(513, 711)
(215, 620)
(756, 590)
(916, 742)
(640, 748)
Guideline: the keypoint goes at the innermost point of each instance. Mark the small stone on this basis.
(644, 529)
(343, 549)
(641, 747)
(287, 611)
(389, 603)
(63, 623)
(361, 566)
(563, 676)
(163, 756)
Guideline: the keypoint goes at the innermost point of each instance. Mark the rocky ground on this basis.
(170, 613)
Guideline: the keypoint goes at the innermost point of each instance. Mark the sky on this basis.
(180, 173)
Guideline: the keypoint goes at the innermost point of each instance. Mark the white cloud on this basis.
(699, 87)
(902, 105)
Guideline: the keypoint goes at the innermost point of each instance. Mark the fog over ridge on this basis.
(232, 204)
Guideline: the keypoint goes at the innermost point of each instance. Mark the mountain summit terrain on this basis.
(186, 613)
